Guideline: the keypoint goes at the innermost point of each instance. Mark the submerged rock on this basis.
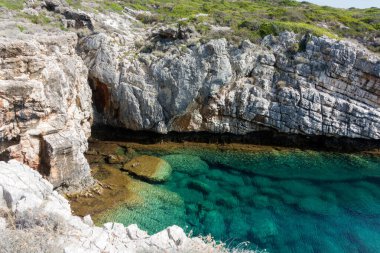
(199, 186)
(238, 227)
(189, 164)
(225, 200)
(316, 205)
(149, 167)
(156, 209)
(215, 223)
(117, 159)
(264, 230)
(190, 195)
(260, 201)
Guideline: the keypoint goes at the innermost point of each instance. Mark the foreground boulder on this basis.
(44, 222)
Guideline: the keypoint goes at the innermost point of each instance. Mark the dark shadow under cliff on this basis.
(267, 138)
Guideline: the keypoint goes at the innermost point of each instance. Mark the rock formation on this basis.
(164, 79)
(159, 80)
(305, 85)
(45, 104)
(149, 168)
(30, 203)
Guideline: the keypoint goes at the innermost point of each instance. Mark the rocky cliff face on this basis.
(157, 80)
(165, 79)
(308, 85)
(45, 105)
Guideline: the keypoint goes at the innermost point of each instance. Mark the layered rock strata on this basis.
(45, 105)
(304, 85)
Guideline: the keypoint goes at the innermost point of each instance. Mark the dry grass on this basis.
(31, 232)
(34, 240)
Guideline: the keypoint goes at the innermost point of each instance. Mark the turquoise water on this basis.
(279, 201)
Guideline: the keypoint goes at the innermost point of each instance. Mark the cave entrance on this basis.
(101, 96)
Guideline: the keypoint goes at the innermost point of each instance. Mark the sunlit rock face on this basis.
(308, 85)
(45, 104)
(166, 80)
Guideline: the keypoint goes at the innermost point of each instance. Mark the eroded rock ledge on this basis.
(31, 212)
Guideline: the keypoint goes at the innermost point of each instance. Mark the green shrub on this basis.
(255, 19)
(148, 19)
(304, 28)
(41, 19)
(112, 6)
(268, 28)
(202, 28)
(21, 28)
(12, 4)
(75, 3)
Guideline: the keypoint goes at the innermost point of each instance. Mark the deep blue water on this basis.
(279, 201)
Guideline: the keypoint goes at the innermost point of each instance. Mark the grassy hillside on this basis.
(256, 18)
(11, 4)
(251, 19)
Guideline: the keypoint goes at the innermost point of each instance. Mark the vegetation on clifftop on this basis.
(252, 19)
(12, 4)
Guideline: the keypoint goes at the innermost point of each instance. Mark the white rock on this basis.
(218, 87)
(88, 220)
(78, 236)
(45, 86)
(135, 233)
(3, 223)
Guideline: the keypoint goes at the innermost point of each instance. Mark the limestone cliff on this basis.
(166, 79)
(45, 104)
(110, 69)
(293, 84)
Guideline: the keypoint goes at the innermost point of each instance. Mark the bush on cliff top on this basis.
(266, 16)
(12, 4)
(250, 19)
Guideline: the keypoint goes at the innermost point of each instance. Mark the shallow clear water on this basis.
(280, 201)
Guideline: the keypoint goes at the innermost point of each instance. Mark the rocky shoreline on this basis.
(35, 215)
(193, 168)
(56, 82)
(55, 85)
